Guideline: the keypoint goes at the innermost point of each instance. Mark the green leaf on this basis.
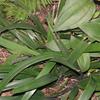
(10, 98)
(28, 95)
(69, 59)
(38, 95)
(96, 78)
(93, 47)
(48, 67)
(90, 88)
(74, 41)
(92, 29)
(84, 62)
(77, 52)
(95, 65)
(53, 46)
(25, 64)
(16, 48)
(38, 26)
(85, 81)
(73, 16)
(28, 72)
(63, 60)
(17, 83)
(73, 93)
(28, 38)
(37, 83)
(2, 75)
(61, 5)
(18, 25)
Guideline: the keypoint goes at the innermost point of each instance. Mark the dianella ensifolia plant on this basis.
(69, 47)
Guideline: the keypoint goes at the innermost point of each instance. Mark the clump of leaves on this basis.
(69, 47)
(21, 9)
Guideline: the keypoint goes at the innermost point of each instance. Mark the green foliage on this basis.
(92, 29)
(84, 62)
(69, 19)
(21, 9)
(75, 52)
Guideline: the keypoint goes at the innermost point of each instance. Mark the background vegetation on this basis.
(67, 48)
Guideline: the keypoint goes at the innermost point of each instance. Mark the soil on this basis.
(3, 55)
